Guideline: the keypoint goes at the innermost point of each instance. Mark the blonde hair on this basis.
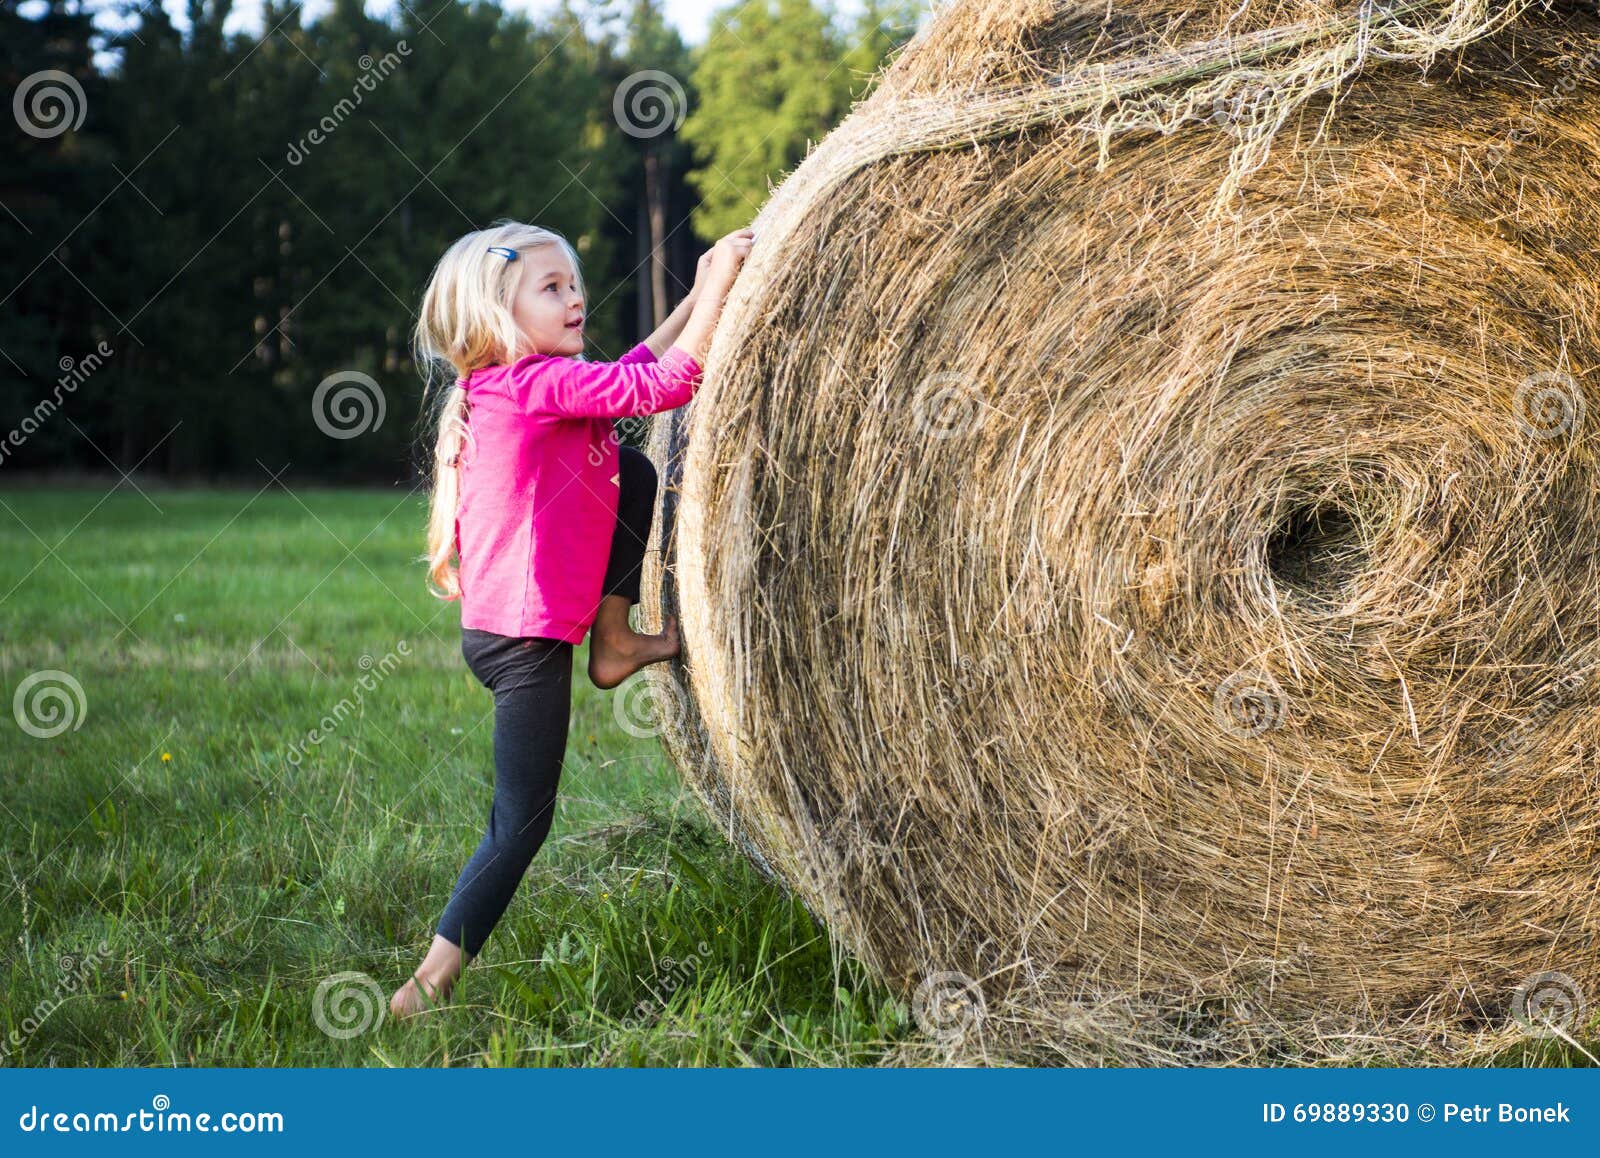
(465, 324)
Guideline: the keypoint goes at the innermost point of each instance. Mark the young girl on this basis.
(547, 516)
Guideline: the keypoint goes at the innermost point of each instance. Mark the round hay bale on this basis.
(1136, 539)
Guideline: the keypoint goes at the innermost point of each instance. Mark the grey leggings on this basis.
(531, 679)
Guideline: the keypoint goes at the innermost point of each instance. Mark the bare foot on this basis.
(615, 653)
(432, 981)
(411, 999)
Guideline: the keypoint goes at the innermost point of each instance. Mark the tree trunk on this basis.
(655, 190)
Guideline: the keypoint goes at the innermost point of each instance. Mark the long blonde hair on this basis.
(465, 324)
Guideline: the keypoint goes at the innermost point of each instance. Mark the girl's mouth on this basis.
(577, 325)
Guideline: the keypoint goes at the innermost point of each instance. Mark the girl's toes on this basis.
(409, 1000)
(400, 1004)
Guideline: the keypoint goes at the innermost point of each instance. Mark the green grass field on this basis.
(171, 822)
(234, 862)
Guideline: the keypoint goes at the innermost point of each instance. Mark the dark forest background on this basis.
(199, 228)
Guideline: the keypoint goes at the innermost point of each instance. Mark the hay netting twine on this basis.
(1135, 540)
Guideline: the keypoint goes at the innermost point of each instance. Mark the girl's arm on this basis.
(621, 389)
(718, 269)
(667, 333)
(626, 388)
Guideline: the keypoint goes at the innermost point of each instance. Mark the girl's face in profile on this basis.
(548, 308)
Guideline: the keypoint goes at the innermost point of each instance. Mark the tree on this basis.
(653, 47)
(55, 164)
(773, 77)
(650, 99)
(242, 216)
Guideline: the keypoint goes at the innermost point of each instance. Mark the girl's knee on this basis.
(526, 845)
(524, 830)
(637, 501)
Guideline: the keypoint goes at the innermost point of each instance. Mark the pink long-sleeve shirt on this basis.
(539, 484)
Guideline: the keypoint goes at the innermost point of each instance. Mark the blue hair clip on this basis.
(504, 251)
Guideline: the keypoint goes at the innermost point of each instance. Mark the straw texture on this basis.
(1136, 539)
